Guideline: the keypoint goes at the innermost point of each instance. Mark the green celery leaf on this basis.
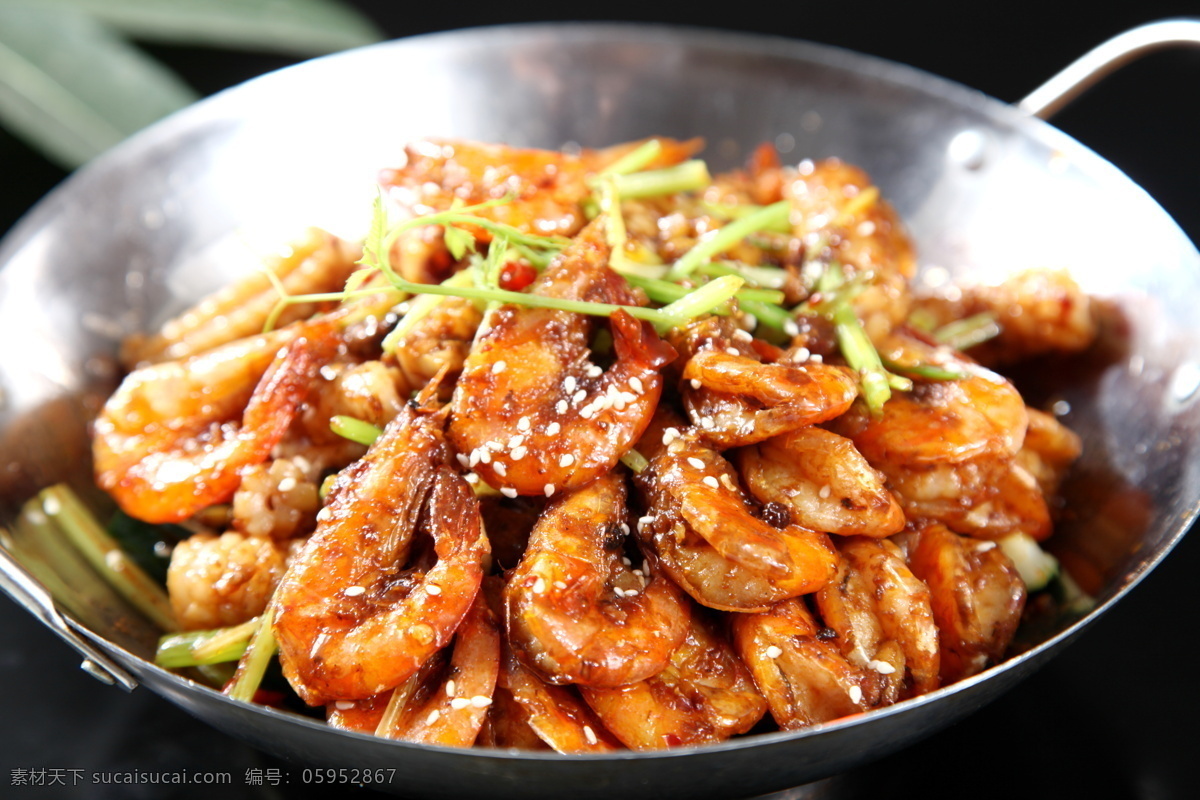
(72, 88)
(302, 27)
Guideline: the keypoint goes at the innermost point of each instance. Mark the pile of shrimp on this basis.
(577, 533)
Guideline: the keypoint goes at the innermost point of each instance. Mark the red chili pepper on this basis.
(516, 275)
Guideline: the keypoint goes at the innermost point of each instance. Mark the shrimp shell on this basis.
(568, 615)
(704, 695)
(349, 620)
(531, 410)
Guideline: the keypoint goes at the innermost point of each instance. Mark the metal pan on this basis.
(985, 188)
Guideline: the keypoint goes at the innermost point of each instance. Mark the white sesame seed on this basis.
(625, 530)
(801, 354)
(471, 478)
(517, 453)
(983, 547)
(773, 652)
(742, 336)
(508, 492)
(695, 383)
(473, 461)
(882, 667)
(631, 592)
(569, 384)
(567, 460)
(481, 701)
(523, 424)
(451, 688)
(817, 358)
(324, 514)
(579, 397)
(644, 521)
(856, 694)
(433, 589)
(561, 406)
(618, 403)
(709, 480)
(670, 435)
(594, 371)
(516, 441)
(548, 489)
(344, 705)
(695, 462)
(462, 459)
(733, 351)
(618, 591)
(433, 717)
(501, 470)
(553, 428)
(707, 423)
(494, 446)
(791, 328)
(587, 412)
(459, 703)
(539, 585)
(590, 735)
(635, 383)
(498, 367)
(825, 492)
(354, 591)
(287, 484)
(485, 455)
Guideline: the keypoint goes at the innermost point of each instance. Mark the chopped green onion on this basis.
(697, 302)
(354, 429)
(930, 372)
(862, 356)
(769, 314)
(106, 556)
(726, 211)
(204, 647)
(635, 461)
(684, 177)
(421, 306)
(636, 159)
(968, 332)
(761, 277)
(253, 664)
(729, 235)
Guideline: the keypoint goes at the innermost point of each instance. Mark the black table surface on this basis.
(1109, 717)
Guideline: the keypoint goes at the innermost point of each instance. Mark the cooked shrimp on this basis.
(823, 481)
(1049, 451)
(445, 704)
(321, 262)
(978, 597)
(216, 581)
(350, 620)
(800, 672)
(874, 599)
(279, 499)
(701, 526)
(735, 399)
(576, 611)
(507, 725)
(169, 442)
(704, 695)
(531, 410)
(439, 341)
(836, 208)
(1037, 312)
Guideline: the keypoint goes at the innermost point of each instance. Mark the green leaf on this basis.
(72, 88)
(302, 27)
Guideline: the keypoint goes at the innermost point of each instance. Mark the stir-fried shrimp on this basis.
(704, 531)
(875, 599)
(531, 412)
(836, 208)
(605, 321)
(977, 595)
(214, 581)
(823, 481)
(1036, 312)
(704, 695)
(321, 262)
(1049, 450)
(799, 669)
(734, 399)
(173, 438)
(351, 621)
(576, 611)
(443, 704)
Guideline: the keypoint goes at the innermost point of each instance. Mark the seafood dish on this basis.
(591, 449)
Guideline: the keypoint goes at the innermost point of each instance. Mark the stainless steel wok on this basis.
(986, 189)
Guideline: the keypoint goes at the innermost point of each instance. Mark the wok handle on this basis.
(18, 584)
(1061, 89)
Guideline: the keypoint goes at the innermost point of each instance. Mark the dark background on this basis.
(1110, 717)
